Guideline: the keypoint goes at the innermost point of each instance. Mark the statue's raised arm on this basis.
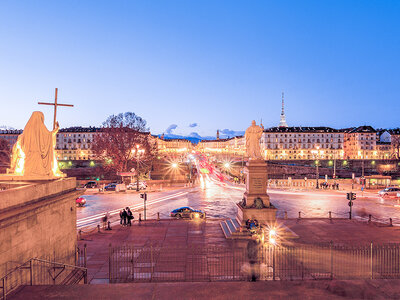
(253, 136)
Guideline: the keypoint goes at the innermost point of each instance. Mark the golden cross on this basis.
(55, 107)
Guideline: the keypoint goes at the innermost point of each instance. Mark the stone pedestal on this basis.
(37, 219)
(256, 204)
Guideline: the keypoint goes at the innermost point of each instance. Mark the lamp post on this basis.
(138, 152)
(334, 166)
(317, 165)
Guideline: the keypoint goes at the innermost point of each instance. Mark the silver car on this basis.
(389, 192)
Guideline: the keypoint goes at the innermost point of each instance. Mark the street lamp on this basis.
(317, 165)
(138, 152)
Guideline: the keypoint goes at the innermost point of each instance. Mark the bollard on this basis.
(108, 225)
(285, 215)
(158, 216)
(140, 219)
(299, 214)
(390, 222)
(330, 215)
(98, 228)
(369, 218)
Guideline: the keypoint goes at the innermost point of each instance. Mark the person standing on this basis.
(124, 216)
(121, 216)
(129, 215)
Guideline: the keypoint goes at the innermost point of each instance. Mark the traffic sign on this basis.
(350, 203)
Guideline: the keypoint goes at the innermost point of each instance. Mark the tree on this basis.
(5, 152)
(395, 141)
(119, 140)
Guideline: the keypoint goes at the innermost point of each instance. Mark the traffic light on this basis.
(351, 196)
(142, 196)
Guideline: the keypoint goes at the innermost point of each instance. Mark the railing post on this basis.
(109, 263)
(85, 277)
(331, 250)
(372, 263)
(84, 255)
(31, 271)
(273, 263)
(4, 288)
(151, 261)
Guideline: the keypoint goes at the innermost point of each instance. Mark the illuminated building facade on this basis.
(360, 143)
(173, 145)
(302, 143)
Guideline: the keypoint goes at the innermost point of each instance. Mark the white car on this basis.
(390, 192)
(133, 185)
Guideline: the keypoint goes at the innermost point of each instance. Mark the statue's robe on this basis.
(37, 142)
(253, 135)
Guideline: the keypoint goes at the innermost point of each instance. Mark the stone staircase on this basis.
(231, 229)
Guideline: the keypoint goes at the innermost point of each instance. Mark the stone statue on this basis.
(33, 153)
(253, 136)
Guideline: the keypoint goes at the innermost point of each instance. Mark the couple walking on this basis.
(126, 217)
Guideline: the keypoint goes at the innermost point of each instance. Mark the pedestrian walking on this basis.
(253, 249)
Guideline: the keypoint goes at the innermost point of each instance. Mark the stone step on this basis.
(232, 228)
(225, 229)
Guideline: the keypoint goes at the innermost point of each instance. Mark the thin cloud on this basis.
(171, 128)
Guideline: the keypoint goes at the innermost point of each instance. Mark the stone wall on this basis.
(38, 220)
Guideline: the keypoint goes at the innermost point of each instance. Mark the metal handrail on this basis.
(28, 265)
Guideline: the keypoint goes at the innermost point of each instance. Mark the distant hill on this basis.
(193, 137)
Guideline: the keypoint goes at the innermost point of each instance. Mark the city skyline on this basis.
(215, 65)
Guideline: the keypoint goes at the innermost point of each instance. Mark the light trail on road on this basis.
(83, 222)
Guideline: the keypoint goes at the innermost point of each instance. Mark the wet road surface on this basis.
(218, 200)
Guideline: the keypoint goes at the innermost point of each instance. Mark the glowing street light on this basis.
(138, 152)
(174, 165)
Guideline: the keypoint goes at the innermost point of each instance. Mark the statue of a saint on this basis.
(33, 153)
(253, 136)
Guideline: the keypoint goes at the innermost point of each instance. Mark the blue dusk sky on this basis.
(198, 66)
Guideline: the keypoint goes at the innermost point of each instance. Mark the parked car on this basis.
(133, 185)
(187, 212)
(90, 185)
(389, 192)
(110, 187)
(80, 201)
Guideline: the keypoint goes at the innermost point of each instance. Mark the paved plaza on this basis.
(200, 234)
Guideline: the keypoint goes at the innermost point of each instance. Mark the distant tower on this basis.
(217, 134)
(283, 123)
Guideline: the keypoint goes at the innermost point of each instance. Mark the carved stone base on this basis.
(263, 215)
(256, 183)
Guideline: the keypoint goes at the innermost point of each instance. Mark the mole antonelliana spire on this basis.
(283, 123)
